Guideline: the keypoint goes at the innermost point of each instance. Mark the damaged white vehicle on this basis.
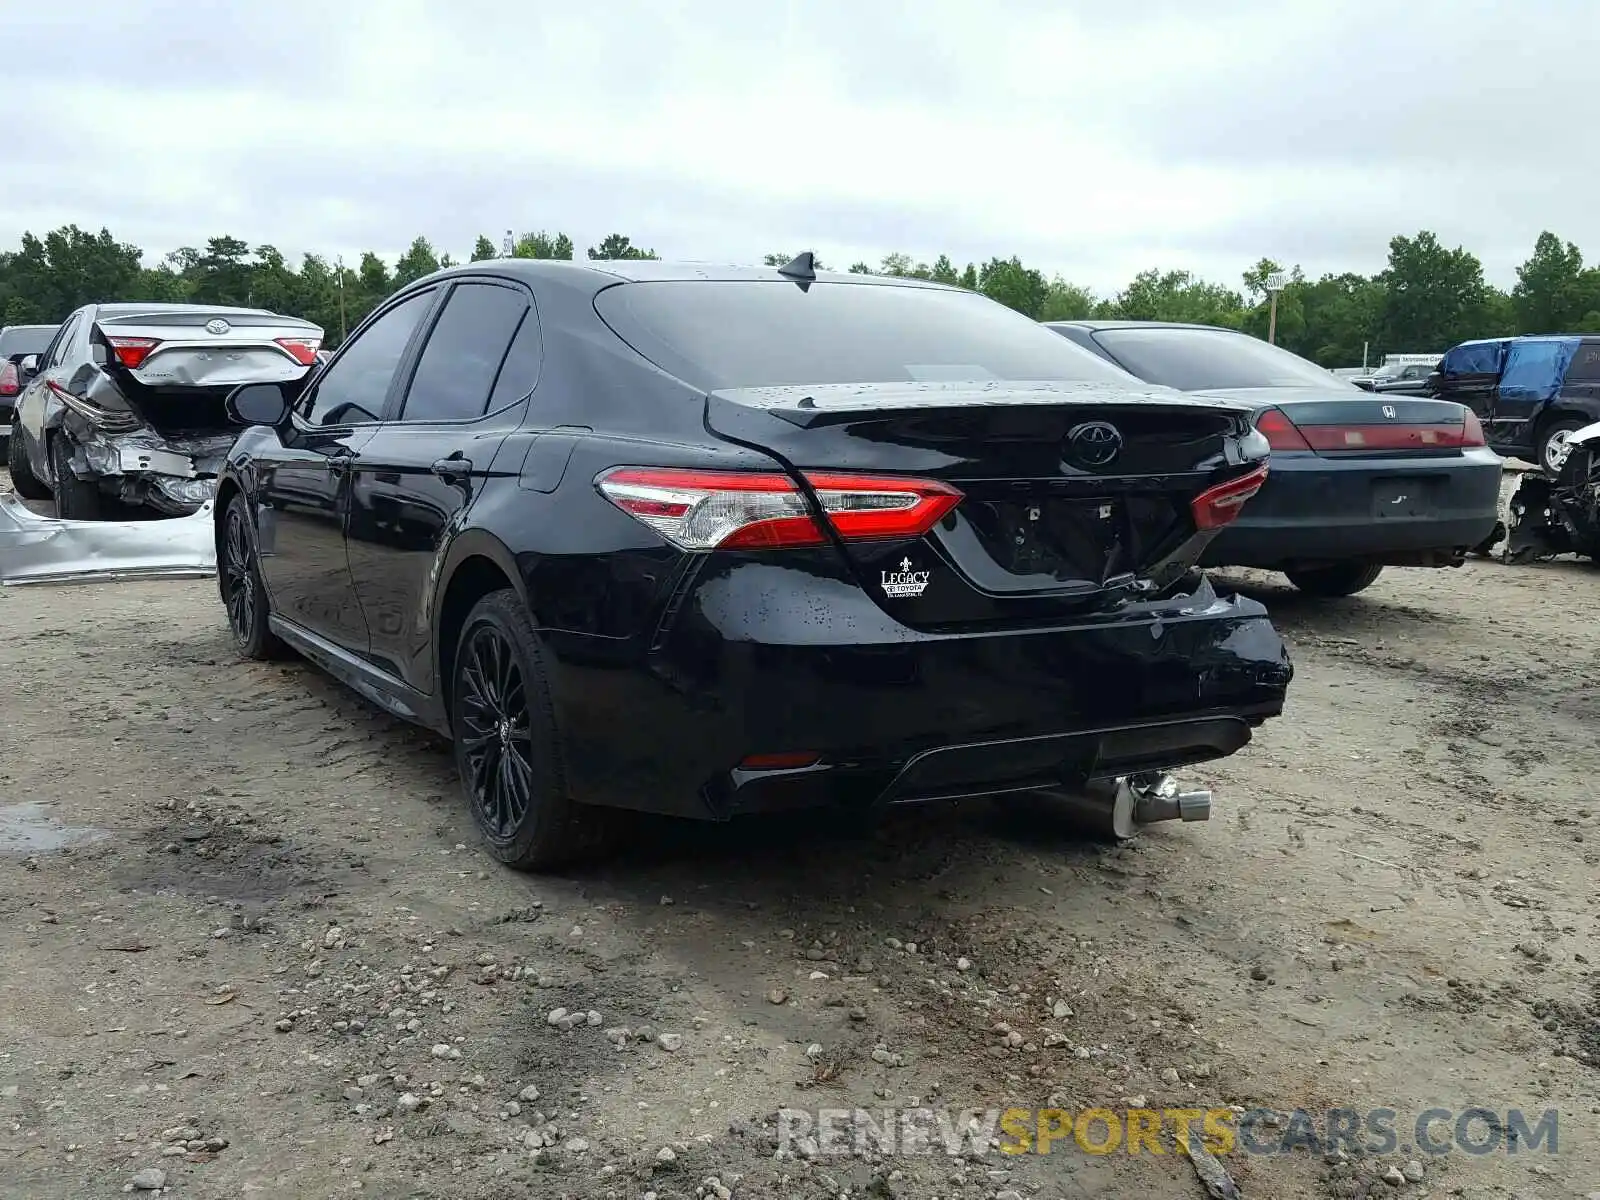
(1560, 514)
(127, 402)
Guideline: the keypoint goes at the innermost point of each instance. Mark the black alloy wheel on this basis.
(496, 738)
(239, 580)
(508, 750)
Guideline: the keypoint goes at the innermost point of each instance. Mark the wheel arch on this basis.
(1577, 414)
(1565, 410)
(476, 564)
(227, 488)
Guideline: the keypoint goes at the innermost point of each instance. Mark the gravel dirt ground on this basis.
(249, 944)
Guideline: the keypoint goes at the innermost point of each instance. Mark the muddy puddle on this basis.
(30, 829)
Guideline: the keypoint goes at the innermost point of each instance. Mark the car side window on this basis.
(456, 372)
(1585, 367)
(520, 371)
(353, 388)
(57, 353)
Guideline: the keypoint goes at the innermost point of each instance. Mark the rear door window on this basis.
(58, 349)
(457, 373)
(1585, 366)
(519, 374)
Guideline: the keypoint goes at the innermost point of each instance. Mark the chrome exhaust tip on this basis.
(1172, 805)
(1120, 807)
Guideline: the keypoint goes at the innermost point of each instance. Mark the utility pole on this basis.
(1276, 282)
(343, 329)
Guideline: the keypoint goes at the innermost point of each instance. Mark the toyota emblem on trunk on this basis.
(1094, 443)
(217, 325)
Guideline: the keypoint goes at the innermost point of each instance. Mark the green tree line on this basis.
(1429, 297)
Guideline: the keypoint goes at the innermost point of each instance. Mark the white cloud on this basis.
(1092, 140)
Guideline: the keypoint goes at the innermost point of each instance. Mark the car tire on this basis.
(1340, 579)
(508, 745)
(239, 582)
(23, 479)
(76, 499)
(1552, 440)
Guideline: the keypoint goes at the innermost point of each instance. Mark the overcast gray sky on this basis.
(1092, 139)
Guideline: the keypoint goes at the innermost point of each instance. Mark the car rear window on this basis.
(25, 339)
(727, 334)
(1194, 360)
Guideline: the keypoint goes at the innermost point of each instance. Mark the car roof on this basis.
(1096, 326)
(603, 272)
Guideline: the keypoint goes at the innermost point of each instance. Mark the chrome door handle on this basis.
(452, 468)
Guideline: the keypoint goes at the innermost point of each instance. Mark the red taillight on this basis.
(793, 761)
(132, 351)
(704, 510)
(1281, 433)
(1472, 432)
(9, 384)
(1391, 437)
(302, 350)
(1217, 506)
(108, 419)
(862, 507)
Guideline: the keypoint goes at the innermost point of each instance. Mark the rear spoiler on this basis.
(196, 319)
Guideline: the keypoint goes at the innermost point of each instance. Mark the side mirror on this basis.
(257, 404)
(28, 366)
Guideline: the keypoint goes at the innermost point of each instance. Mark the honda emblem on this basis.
(1388, 411)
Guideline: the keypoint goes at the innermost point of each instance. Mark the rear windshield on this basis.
(1194, 360)
(25, 339)
(727, 334)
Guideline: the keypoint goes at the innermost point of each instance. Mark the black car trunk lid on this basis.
(1073, 495)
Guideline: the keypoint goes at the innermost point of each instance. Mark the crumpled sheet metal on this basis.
(35, 549)
(220, 368)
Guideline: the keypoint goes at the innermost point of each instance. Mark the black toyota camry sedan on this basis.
(713, 541)
(1359, 481)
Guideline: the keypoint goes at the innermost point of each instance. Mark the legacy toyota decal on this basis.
(905, 582)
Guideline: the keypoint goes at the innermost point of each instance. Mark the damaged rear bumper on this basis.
(35, 549)
(174, 475)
